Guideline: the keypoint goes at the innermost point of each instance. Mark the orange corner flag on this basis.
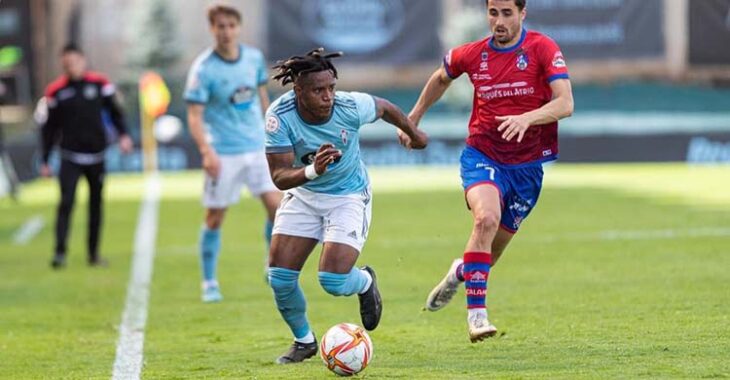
(154, 94)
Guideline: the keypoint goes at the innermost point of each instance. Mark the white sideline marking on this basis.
(130, 348)
(28, 230)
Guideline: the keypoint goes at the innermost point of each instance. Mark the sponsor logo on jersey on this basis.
(558, 60)
(522, 60)
(309, 158)
(343, 136)
(476, 76)
(504, 90)
(547, 152)
(485, 56)
(242, 97)
(272, 124)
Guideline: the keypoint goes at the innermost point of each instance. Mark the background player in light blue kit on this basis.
(313, 149)
(227, 97)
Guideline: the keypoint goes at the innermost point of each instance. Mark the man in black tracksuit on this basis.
(76, 101)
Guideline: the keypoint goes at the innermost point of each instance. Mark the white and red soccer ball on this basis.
(346, 349)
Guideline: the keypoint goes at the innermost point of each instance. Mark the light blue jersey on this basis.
(229, 91)
(286, 132)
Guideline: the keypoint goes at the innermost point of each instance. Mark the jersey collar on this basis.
(240, 55)
(296, 109)
(511, 48)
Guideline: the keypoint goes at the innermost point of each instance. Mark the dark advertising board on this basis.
(709, 32)
(367, 31)
(606, 29)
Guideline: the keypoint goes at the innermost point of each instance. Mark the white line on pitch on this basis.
(130, 348)
(28, 230)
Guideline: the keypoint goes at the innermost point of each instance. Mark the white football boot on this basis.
(479, 327)
(445, 290)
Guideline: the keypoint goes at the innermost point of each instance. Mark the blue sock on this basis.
(290, 300)
(344, 284)
(210, 245)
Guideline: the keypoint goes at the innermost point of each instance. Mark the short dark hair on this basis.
(293, 67)
(521, 4)
(71, 47)
(220, 9)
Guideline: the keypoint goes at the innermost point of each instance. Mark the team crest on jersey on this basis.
(272, 124)
(90, 91)
(484, 66)
(522, 60)
(343, 136)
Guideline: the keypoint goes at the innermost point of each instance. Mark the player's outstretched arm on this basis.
(432, 91)
(560, 107)
(286, 177)
(409, 134)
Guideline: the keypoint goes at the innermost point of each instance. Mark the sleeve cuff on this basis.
(558, 76)
(448, 72)
(279, 149)
(375, 108)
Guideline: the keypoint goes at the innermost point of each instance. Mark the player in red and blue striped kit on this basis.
(521, 90)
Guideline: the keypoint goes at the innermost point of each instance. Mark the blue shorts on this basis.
(519, 185)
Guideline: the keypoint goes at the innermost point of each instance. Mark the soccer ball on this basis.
(346, 349)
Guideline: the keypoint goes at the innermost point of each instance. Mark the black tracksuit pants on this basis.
(68, 178)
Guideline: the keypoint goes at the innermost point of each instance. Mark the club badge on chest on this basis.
(522, 60)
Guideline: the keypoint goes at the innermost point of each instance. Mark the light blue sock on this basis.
(344, 284)
(210, 245)
(290, 300)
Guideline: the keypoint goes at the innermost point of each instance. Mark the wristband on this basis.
(310, 172)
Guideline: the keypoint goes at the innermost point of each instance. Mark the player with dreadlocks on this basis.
(312, 145)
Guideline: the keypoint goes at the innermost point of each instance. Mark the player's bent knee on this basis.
(214, 219)
(488, 222)
(333, 283)
(282, 280)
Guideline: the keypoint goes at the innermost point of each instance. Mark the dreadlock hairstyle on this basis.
(294, 67)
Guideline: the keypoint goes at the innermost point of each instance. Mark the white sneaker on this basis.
(211, 293)
(479, 327)
(445, 290)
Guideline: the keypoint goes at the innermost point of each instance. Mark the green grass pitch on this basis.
(622, 271)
